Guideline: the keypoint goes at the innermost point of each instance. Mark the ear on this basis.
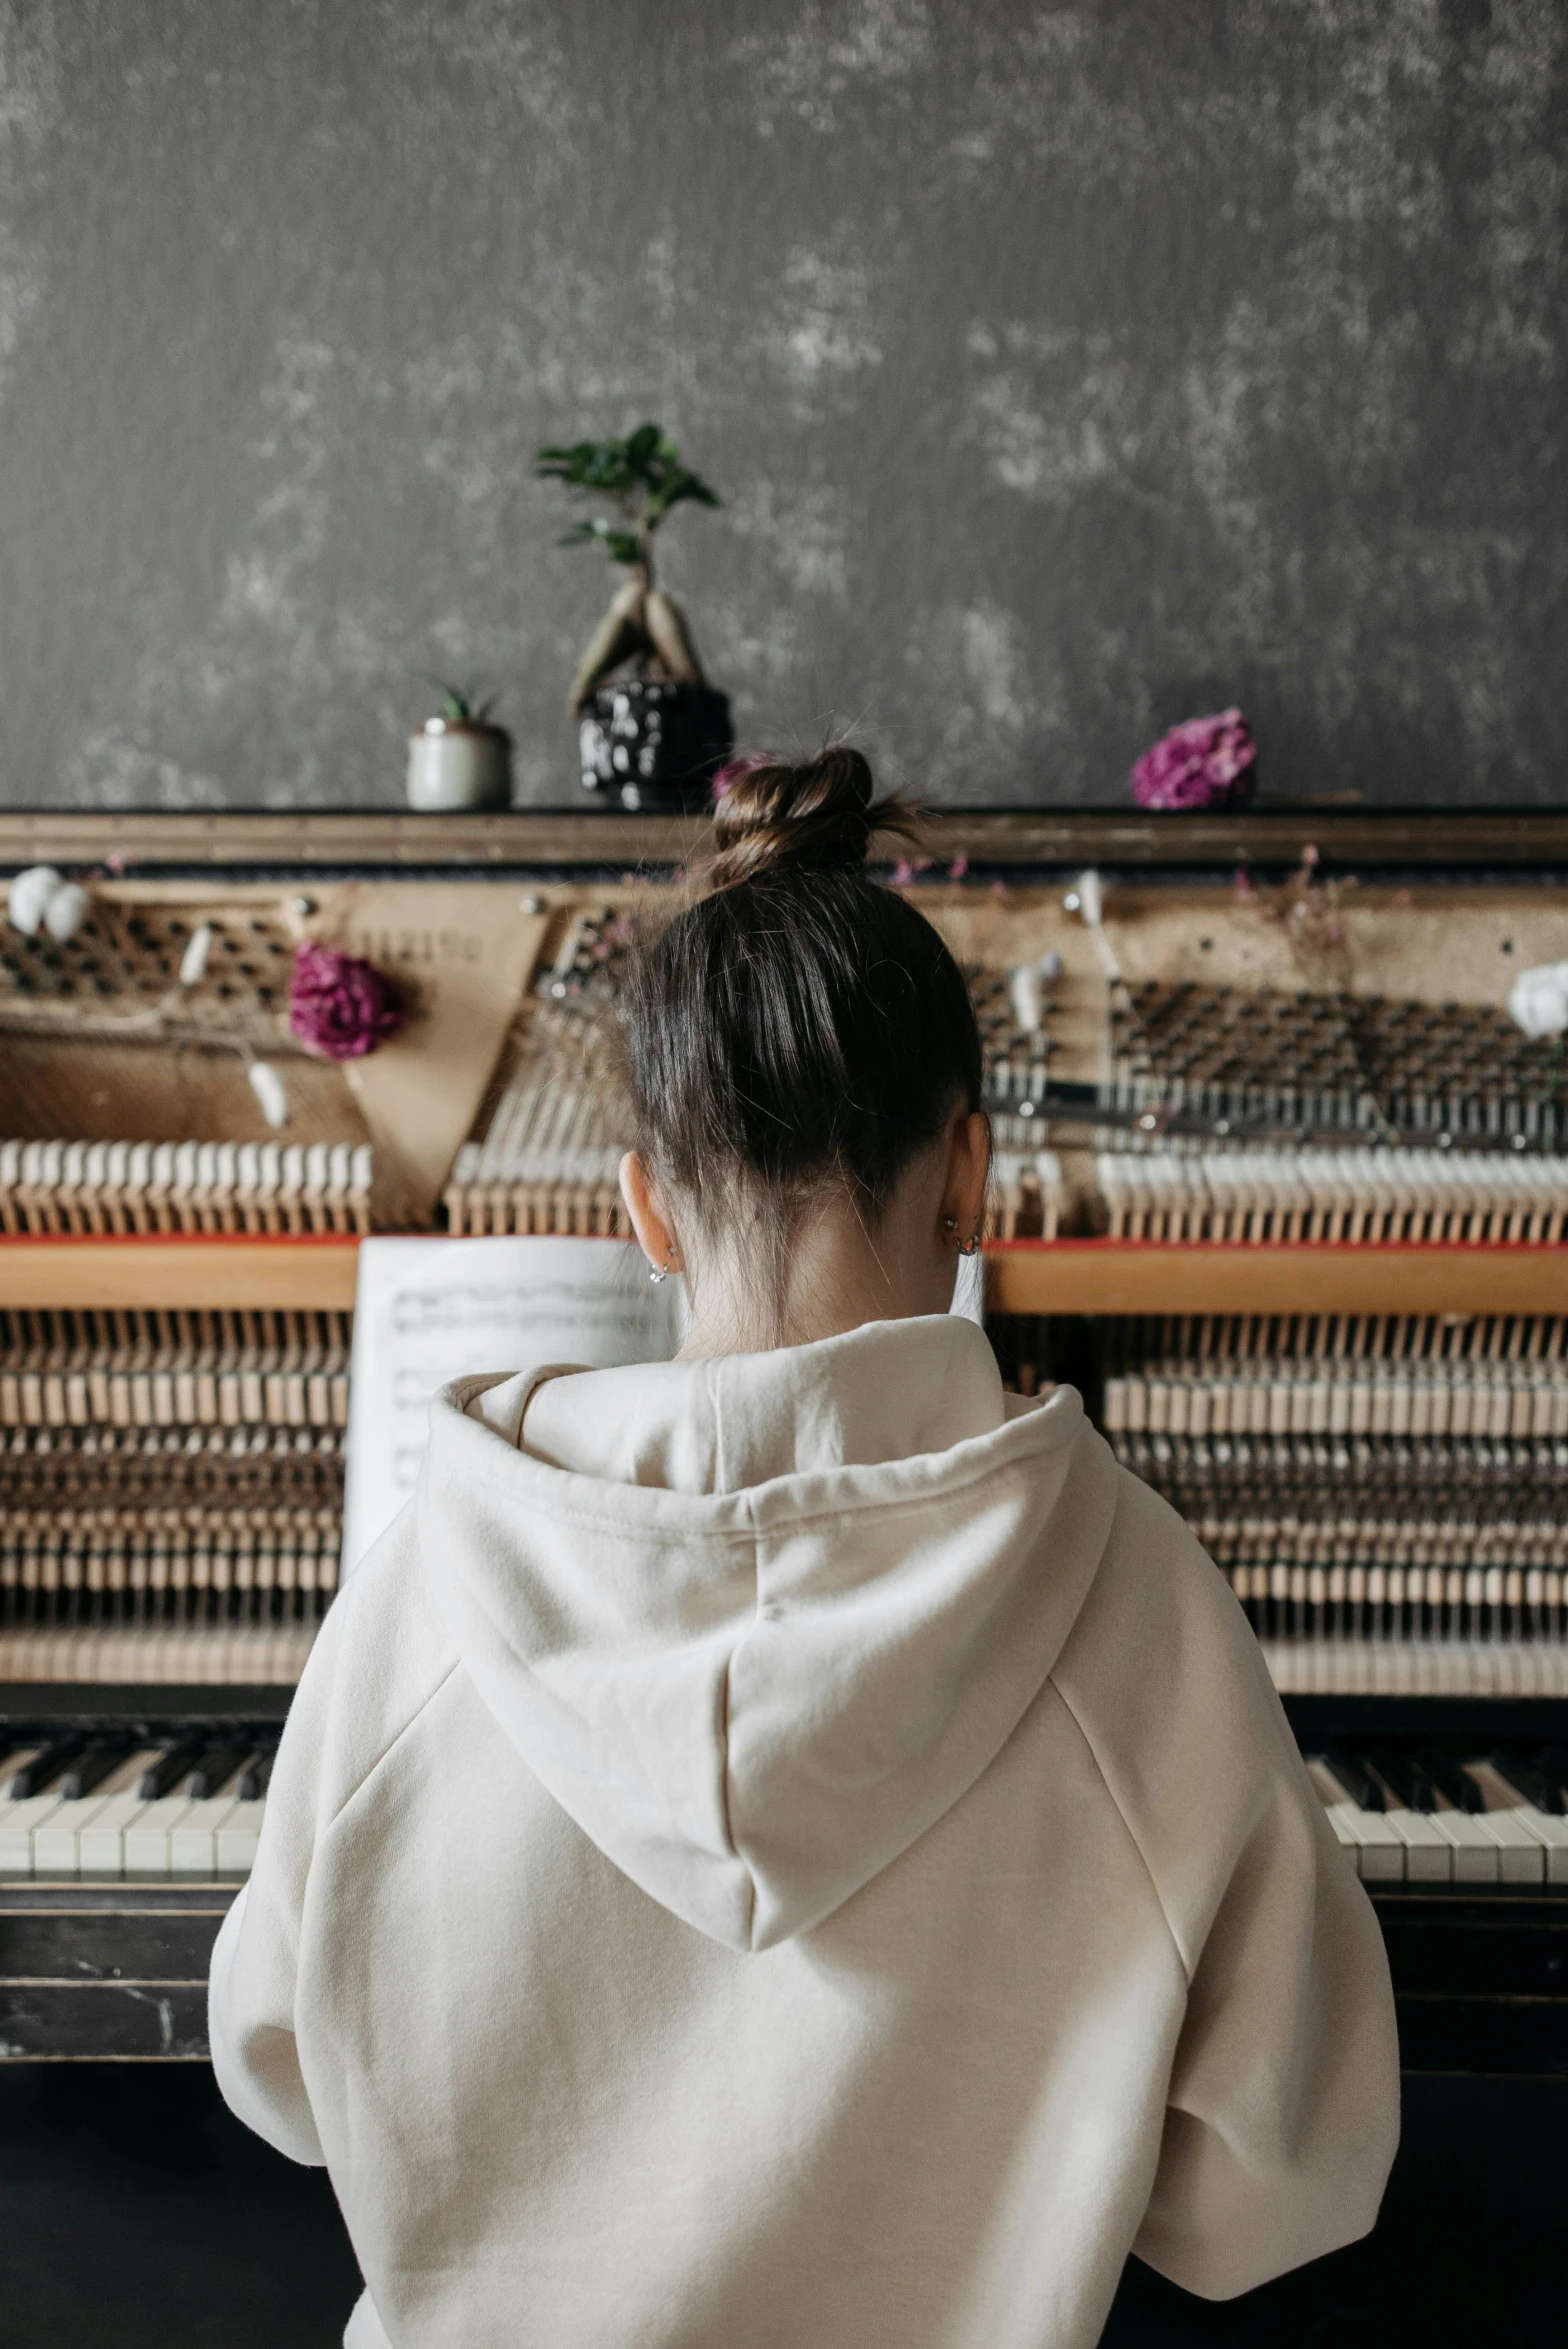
(652, 1226)
(968, 1171)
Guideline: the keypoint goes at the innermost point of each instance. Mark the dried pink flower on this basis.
(340, 1006)
(747, 763)
(1205, 762)
(958, 868)
(903, 873)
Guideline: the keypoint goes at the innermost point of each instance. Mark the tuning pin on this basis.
(270, 1092)
(193, 962)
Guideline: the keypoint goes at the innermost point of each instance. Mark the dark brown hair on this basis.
(800, 1025)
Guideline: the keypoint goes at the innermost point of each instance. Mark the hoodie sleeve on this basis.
(1283, 2111)
(250, 2000)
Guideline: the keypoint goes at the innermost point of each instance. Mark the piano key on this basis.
(1356, 1779)
(1451, 1779)
(257, 1775)
(1526, 1778)
(57, 1840)
(1552, 1834)
(1476, 1852)
(193, 1839)
(44, 1765)
(1404, 1779)
(1429, 1854)
(218, 1765)
(1380, 1852)
(1338, 1810)
(175, 1762)
(148, 1848)
(17, 1823)
(1548, 1828)
(237, 1838)
(1521, 1856)
(101, 1839)
(97, 1760)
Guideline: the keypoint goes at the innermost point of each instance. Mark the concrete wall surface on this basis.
(1066, 368)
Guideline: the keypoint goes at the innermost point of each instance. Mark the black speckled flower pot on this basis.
(652, 745)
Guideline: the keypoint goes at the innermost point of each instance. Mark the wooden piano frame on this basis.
(89, 1972)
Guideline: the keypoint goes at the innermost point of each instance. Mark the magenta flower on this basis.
(747, 763)
(340, 1006)
(1205, 762)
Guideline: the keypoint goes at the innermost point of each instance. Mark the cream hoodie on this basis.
(799, 1852)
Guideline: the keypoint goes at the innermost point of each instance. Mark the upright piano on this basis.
(1279, 1183)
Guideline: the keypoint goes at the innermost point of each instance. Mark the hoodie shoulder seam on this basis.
(1127, 1826)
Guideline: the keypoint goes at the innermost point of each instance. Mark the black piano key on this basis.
(45, 1766)
(256, 1776)
(1552, 1762)
(1538, 1786)
(1405, 1779)
(170, 1767)
(1356, 1779)
(1452, 1781)
(92, 1766)
(217, 1766)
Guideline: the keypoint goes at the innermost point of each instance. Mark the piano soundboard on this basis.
(1278, 1184)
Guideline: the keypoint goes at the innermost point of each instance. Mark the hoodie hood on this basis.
(757, 1623)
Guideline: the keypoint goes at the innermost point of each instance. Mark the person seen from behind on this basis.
(794, 1845)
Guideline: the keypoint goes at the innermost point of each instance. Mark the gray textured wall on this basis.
(1067, 369)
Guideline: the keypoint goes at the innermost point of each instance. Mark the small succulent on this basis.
(643, 478)
(459, 708)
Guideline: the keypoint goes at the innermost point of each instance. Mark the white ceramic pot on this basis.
(459, 765)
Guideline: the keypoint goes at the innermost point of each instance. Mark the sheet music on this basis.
(433, 1310)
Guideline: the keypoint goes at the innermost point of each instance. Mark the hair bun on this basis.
(770, 816)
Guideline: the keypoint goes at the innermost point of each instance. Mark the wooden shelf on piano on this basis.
(1205, 1276)
(172, 1271)
(1526, 841)
(318, 1271)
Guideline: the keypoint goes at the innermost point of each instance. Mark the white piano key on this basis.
(1429, 1854)
(1342, 1818)
(101, 1842)
(1380, 1853)
(1475, 1849)
(1504, 1801)
(193, 1840)
(57, 1843)
(237, 1838)
(148, 1852)
(17, 1823)
(1552, 1834)
(1521, 1857)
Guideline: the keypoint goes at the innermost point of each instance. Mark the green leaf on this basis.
(682, 487)
(454, 702)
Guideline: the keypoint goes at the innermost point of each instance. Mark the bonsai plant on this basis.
(459, 759)
(656, 732)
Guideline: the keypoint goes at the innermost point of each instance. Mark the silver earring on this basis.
(971, 1246)
(661, 1272)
